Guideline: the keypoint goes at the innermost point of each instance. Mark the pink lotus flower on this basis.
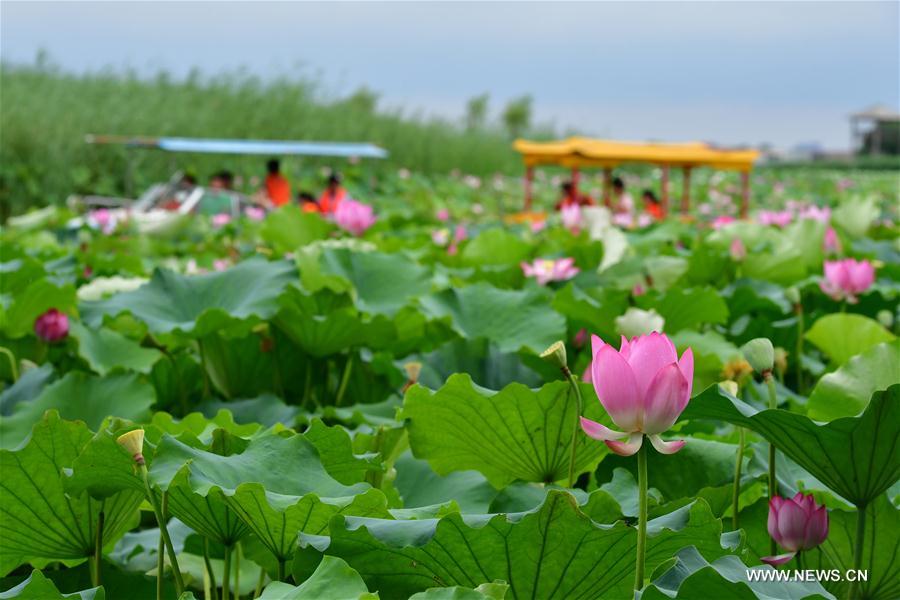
(644, 387)
(441, 237)
(443, 215)
(831, 244)
(354, 216)
(779, 218)
(623, 219)
(220, 264)
(545, 270)
(722, 220)
(102, 219)
(844, 184)
(221, 220)
(571, 217)
(796, 524)
(638, 290)
(255, 213)
(737, 250)
(846, 279)
(52, 326)
(460, 233)
(822, 214)
(538, 226)
(580, 338)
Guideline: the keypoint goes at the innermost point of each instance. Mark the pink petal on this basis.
(649, 354)
(599, 431)
(816, 528)
(665, 399)
(628, 448)
(625, 348)
(596, 344)
(686, 365)
(791, 526)
(779, 559)
(772, 524)
(664, 447)
(616, 388)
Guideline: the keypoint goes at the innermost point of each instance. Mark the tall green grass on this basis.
(45, 114)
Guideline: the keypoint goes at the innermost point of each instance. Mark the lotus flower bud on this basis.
(730, 387)
(796, 524)
(886, 318)
(760, 354)
(556, 355)
(133, 442)
(52, 326)
(413, 369)
(793, 295)
(637, 322)
(781, 359)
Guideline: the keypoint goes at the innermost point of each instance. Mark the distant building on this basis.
(875, 130)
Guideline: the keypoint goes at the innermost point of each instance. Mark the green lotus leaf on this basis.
(106, 350)
(856, 457)
(693, 577)
(17, 319)
(496, 247)
(685, 309)
(513, 434)
(510, 319)
(845, 392)
(332, 579)
(40, 520)
(380, 283)
(84, 397)
(840, 336)
(289, 228)
(486, 591)
(880, 551)
(783, 267)
(199, 304)
(38, 587)
(419, 486)
(553, 552)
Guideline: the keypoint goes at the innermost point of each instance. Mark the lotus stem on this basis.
(280, 569)
(226, 573)
(259, 583)
(206, 386)
(98, 547)
(209, 570)
(345, 379)
(307, 385)
(164, 535)
(160, 565)
(579, 403)
(773, 481)
(13, 365)
(798, 308)
(237, 571)
(642, 517)
(854, 592)
(736, 494)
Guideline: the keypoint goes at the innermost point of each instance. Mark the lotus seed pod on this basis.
(556, 355)
(886, 318)
(760, 354)
(793, 295)
(133, 442)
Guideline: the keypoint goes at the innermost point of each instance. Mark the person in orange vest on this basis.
(652, 206)
(571, 196)
(308, 202)
(333, 194)
(278, 189)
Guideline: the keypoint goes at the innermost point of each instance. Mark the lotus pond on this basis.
(283, 406)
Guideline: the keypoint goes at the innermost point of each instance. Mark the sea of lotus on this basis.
(428, 396)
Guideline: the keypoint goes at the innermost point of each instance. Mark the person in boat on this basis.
(622, 202)
(333, 195)
(218, 197)
(570, 196)
(308, 202)
(652, 205)
(278, 190)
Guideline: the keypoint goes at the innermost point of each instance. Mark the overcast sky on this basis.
(727, 72)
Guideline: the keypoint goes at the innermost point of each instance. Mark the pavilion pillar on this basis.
(686, 191)
(529, 190)
(664, 193)
(745, 194)
(575, 177)
(607, 187)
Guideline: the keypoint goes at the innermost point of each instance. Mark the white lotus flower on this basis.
(637, 322)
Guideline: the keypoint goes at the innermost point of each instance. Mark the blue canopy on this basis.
(267, 147)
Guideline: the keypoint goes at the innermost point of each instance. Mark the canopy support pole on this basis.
(686, 191)
(607, 185)
(529, 179)
(575, 177)
(665, 190)
(745, 193)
